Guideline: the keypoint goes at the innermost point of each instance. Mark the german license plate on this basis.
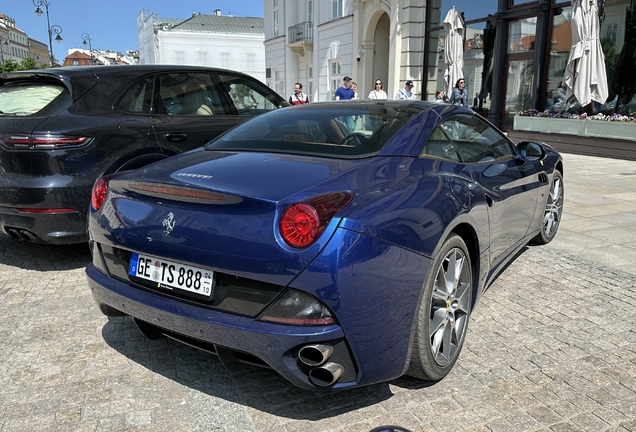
(171, 275)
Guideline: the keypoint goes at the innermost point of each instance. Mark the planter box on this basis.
(609, 129)
(566, 126)
(530, 124)
(589, 128)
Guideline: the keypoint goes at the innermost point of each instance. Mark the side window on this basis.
(439, 146)
(248, 97)
(188, 94)
(475, 140)
(137, 98)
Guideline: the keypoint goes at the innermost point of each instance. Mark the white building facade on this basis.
(203, 40)
(318, 42)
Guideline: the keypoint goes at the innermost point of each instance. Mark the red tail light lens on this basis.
(58, 141)
(302, 223)
(99, 193)
(43, 141)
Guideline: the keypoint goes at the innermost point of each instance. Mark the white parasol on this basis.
(453, 49)
(585, 78)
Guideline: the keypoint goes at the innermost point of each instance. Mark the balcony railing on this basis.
(302, 32)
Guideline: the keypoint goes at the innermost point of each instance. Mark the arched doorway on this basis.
(380, 69)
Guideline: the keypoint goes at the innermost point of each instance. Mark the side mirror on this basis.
(530, 151)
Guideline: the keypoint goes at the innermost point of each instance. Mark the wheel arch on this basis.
(134, 161)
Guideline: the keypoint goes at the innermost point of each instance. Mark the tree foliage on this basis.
(26, 64)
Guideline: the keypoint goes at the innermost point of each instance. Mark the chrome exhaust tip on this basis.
(315, 355)
(326, 375)
(14, 234)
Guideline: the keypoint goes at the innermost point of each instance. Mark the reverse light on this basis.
(302, 223)
(297, 308)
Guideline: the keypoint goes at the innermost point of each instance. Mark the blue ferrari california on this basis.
(340, 244)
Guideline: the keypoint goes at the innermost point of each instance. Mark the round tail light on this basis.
(302, 223)
(99, 193)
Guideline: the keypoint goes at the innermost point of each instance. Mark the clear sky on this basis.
(111, 24)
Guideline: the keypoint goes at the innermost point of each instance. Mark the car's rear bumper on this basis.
(60, 228)
(274, 344)
(46, 209)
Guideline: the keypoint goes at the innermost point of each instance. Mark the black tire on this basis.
(552, 211)
(435, 351)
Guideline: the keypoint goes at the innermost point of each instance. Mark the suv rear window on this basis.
(23, 99)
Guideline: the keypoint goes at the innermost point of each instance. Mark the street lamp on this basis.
(52, 29)
(87, 40)
(3, 41)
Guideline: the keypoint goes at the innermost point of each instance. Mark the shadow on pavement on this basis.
(43, 257)
(254, 387)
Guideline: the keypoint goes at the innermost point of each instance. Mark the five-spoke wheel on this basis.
(444, 310)
(553, 211)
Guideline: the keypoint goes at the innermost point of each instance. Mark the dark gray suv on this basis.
(62, 128)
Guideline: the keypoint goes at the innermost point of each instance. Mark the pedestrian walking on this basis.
(406, 92)
(298, 98)
(459, 96)
(378, 92)
(345, 92)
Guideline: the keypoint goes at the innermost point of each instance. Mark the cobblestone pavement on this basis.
(551, 347)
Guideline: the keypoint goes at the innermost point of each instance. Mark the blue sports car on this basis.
(340, 244)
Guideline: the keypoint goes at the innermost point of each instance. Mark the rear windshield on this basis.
(23, 99)
(328, 130)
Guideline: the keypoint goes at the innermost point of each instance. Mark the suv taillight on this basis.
(44, 141)
(302, 223)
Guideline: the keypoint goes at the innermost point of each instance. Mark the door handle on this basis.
(176, 137)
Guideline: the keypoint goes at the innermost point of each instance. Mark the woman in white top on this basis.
(377, 92)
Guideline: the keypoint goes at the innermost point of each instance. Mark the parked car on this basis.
(62, 128)
(338, 256)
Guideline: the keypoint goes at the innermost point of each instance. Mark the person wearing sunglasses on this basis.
(459, 96)
(377, 92)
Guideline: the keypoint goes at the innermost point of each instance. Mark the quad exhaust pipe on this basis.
(323, 373)
(22, 235)
(326, 375)
(315, 355)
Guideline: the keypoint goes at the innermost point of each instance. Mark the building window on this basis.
(203, 58)
(611, 32)
(179, 57)
(310, 11)
(336, 8)
(225, 60)
(311, 72)
(335, 68)
(251, 62)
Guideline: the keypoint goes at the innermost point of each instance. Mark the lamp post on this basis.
(3, 41)
(52, 29)
(87, 40)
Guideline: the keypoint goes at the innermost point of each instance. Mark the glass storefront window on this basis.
(476, 59)
(620, 78)
(521, 35)
(518, 2)
(472, 9)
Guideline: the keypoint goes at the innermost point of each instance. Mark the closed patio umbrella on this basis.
(453, 49)
(585, 77)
